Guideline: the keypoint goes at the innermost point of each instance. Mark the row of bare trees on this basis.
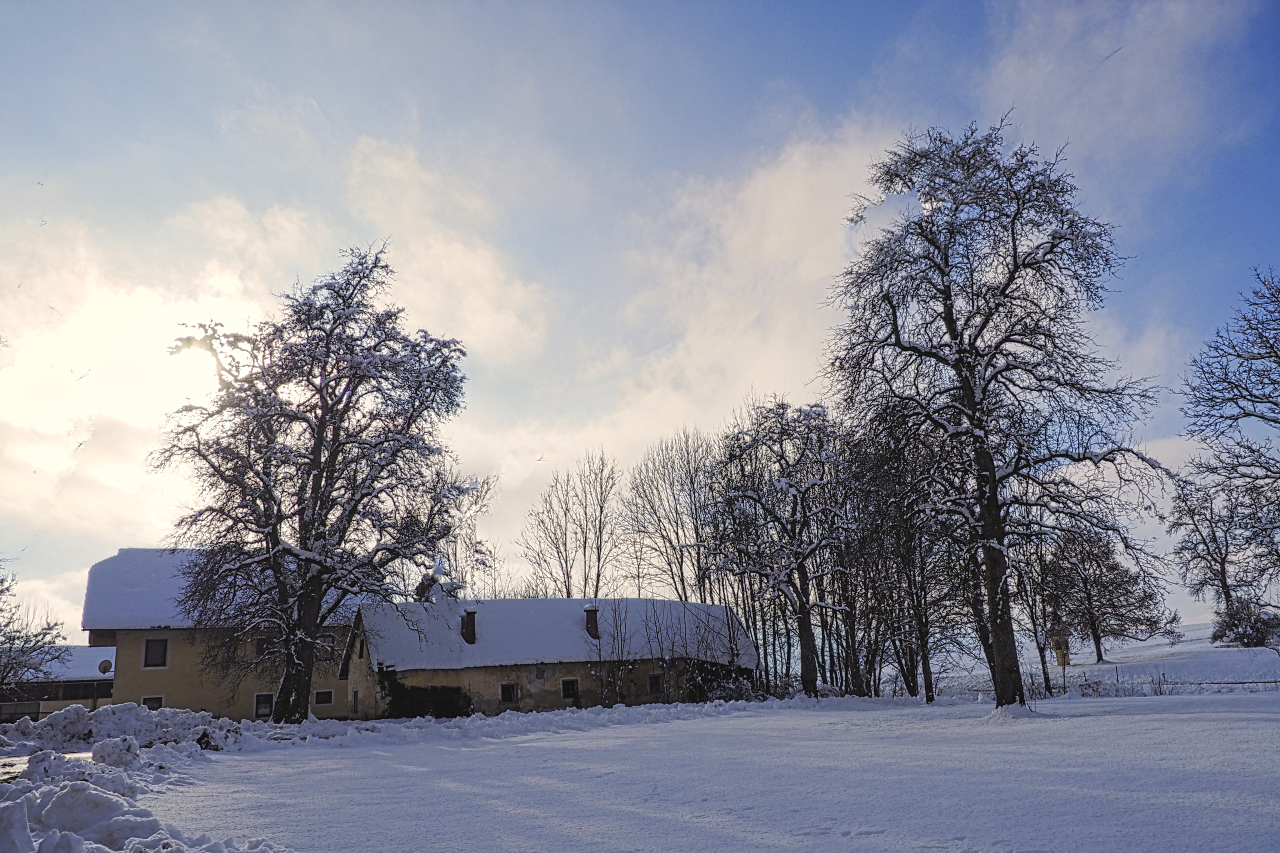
(821, 533)
(971, 420)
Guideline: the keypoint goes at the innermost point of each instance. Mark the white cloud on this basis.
(61, 597)
(737, 272)
(86, 393)
(1132, 86)
(449, 278)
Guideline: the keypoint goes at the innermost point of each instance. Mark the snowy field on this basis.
(1192, 771)
(1135, 774)
(1192, 661)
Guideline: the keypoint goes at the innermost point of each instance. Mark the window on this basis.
(324, 697)
(569, 688)
(655, 684)
(155, 653)
(262, 705)
(355, 701)
(260, 646)
(362, 648)
(153, 703)
(508, 694)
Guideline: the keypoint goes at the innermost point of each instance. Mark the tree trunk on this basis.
(910, 669)
(808, 653)
(293, 699)
(1037, 635)
(1006, 677)
(1044, 667)
(1224, 585)
(926, 669)
(979, 612)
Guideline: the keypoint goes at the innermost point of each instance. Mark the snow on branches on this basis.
(320, 470)
(967, 314)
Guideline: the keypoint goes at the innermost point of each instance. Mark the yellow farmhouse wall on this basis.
(181, 684)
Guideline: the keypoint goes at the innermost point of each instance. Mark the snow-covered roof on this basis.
(137, 588)
(519, 631)
(83, 663)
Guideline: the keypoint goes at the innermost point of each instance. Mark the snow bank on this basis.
(77, 729)
(128, 736)
(66, 804)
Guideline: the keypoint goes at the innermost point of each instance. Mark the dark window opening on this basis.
(361, 655)
(355, 701)
(262, 705)
(156, 653)
(655, 684)
(153, 703)
(324, 697)
(469, 627)
(593, 624)
(569, 688)
(260, 647)
(507, 694)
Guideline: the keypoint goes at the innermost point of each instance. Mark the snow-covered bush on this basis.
(1244, 623)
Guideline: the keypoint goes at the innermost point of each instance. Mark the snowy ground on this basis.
(1134, 774)
(1193, 660)
(1171, 761)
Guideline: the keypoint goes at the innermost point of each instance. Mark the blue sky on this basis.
(630, 213)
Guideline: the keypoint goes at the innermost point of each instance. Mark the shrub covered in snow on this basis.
(1244, 623)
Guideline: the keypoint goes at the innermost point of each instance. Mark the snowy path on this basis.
(1141, 774)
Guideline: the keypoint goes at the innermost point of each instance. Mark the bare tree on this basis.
(472, 562)
(31, 646)
(597, 482)
(1101, 598)
(774, 518)
(1233, 405)
(968, 311)
(548, 541)
(320, 472)
(1218, 551)
(572, 538)
(665, 508)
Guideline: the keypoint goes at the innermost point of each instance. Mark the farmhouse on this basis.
(444, 659)
(129, 604)
(459, 657)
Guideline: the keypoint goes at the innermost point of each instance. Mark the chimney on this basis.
(469, 626)
(593, 622)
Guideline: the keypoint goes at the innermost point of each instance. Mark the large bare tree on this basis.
(776, 518)
(967, 312)
(320, 472)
